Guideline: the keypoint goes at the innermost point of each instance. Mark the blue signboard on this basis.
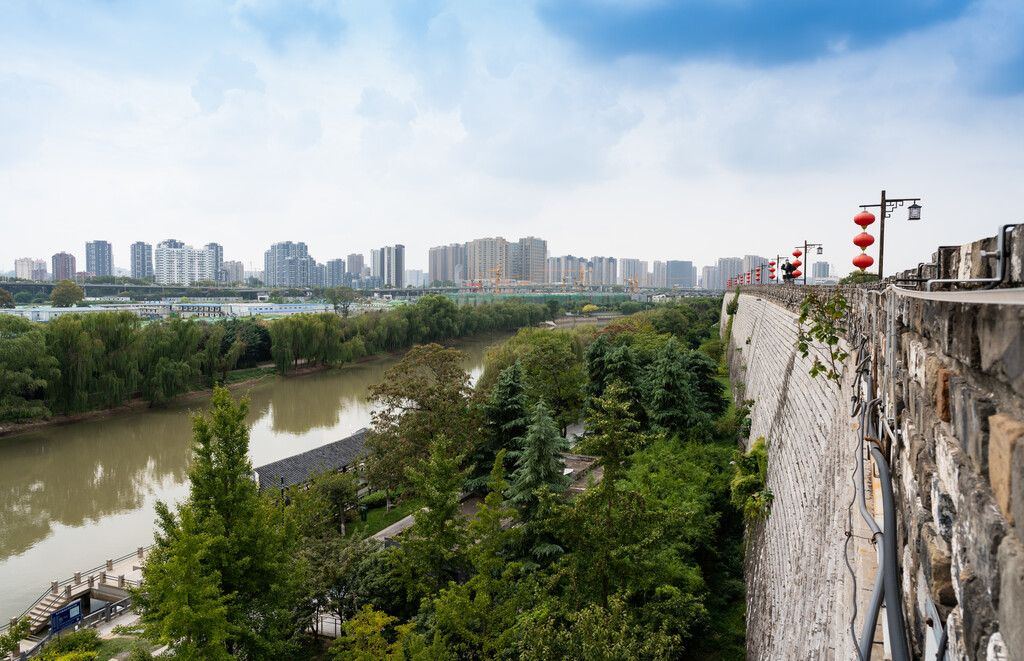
(65, 617)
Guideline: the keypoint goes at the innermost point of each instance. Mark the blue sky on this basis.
(630, 128)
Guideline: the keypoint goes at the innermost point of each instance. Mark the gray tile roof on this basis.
(298, 468)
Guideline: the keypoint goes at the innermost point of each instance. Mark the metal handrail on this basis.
(89, 621)
(69, 581)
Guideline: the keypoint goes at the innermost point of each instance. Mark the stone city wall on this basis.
(955, 391)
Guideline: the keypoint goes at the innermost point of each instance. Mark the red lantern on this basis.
(864, 218)
(772, 276)
(797, 252)
(797, 263)
(771, 263)
(863, 240)
(797, 274)
(862, 261)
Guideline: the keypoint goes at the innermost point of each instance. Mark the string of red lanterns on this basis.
(863, 240)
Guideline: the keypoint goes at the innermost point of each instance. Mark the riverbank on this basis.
(268, 374)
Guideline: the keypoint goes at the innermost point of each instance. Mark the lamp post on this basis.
(885, 209)
(806, 247)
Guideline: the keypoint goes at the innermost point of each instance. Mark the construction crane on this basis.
(497, 279)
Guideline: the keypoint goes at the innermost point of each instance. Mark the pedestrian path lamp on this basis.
(796, 253)
(885, 209)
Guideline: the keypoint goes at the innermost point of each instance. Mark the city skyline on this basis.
(224, 122)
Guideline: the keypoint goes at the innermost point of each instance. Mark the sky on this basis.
(646, 129)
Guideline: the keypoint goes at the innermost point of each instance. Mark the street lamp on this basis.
(797, 253)
(885, 209)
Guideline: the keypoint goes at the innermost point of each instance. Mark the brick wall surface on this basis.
(955, 391)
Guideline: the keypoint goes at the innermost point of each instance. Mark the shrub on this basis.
(375, 499)
(750, 492)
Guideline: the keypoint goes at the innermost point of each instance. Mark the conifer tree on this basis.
(538, 463)
(673, 407)
(507, 418)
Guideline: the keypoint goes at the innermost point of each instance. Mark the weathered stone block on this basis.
(942, 394)
(943, 510)
(1005, 433)
(1001, 340)
(935, 564)
(970, 409)
(980, 528)
(963, 334)
(979, 618)
(1017, 490)
(1011, 596)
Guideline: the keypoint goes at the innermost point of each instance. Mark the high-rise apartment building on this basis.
(728, 268)
(218, 261)
(751, 262)
(631, 270)
(99, 258)
(39, 270)
(488, 259)
(393, 258)
(355, 264)
(63, 266)
(529, 262)
(447, 263)
(142, 260)
(334, 273)
(820, 270)
(183, 265)
(234, 271)
(659, 276)
(709, 277)
(23, 268)
(604, 271)
(288, 264)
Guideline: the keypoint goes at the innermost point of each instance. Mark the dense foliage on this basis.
(642, 559)
(80, 362)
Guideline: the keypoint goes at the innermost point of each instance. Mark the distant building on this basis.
(415, 278)
(709, 278)
(99, 258)
(39, 270)
(288, 264)
(728, 268)
(63, 266)
(334, 273)
(23, 268)
(659, 274)
(488, 259)
(355, 264)
(631, 270)
(446, 263)
(142, 260)
(680, 274)
(820, 271)
(604, 271)
(184, 264)
(529, 259)
(389, 265)
(234, 272)
(218, 261)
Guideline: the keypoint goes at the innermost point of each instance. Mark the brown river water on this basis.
(73, 496)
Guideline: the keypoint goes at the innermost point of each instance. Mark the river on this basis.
(73, 496)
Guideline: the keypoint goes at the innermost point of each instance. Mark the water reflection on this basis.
(89, 488)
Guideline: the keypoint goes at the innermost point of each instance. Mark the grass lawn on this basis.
(378, 518)
(111, 647)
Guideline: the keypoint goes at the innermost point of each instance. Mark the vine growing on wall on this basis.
(820, 323)
(750, 492)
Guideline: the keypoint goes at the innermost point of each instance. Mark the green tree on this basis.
(26, 369)
(6, 299)
(474, 619)
(857, 277)
(434, 549)
(538, 464)
(554, 368)
(341, 298)
(366, 638)
(65, 294)
(10, 640)
(425, 395)
(507, 417)
(673, 405)
(181, 602)
(249, 547)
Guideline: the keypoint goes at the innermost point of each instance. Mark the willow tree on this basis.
(26, 369)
